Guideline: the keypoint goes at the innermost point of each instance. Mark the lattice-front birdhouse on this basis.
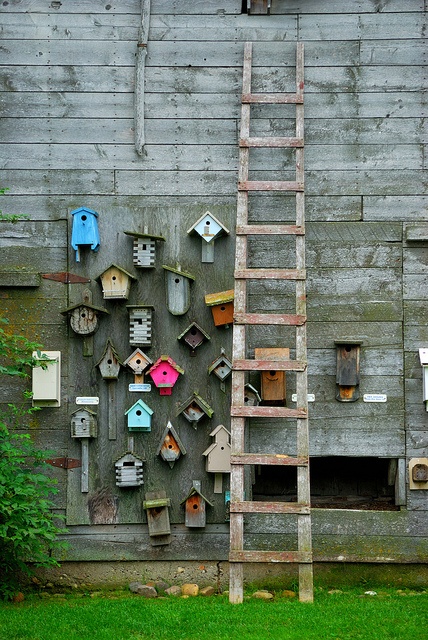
(208, 228)
(110, 363)
(177, 290)
(84, 317)
(85, 230)
(193, 336)
(171, 447)
(144, 248)
(129, 471)
(164, 373)
(116, 283)
(83, 424)
(347, 370)
(139, 417)
(221, 366)
(140, 324)
(194, 409)
(156, 504)
(273, 381)
(251, 396)
(221, 307)
(195, 505)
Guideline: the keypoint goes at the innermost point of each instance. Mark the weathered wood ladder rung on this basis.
(240, 412)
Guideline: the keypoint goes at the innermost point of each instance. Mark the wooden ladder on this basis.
(239, 554)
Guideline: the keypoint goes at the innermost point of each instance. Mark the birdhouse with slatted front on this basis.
(129, 471)
(110, 363)
(208, 228)
(144, 248)
(139, 417)
(116, 283)
(177, 284)
(193, 337)
(83, 424)
(171, 447)
(164, 374)
(194, 409)
(221, 307)
(272, 380)
(84, 317)
(195, 506)
(140, 324)
(85, 230)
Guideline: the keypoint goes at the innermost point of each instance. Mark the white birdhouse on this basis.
(129, 471)
(208, 228)
(144, 248)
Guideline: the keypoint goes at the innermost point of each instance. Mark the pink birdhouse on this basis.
(164, 374)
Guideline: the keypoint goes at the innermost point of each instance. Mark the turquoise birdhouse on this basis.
(139, 417)
(85, 230)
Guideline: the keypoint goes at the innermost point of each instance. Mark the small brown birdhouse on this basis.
(177, 290)
(116, 283)
(83, 424)
(84, 317)
(110, 364)
(144, 248)
(194, 409)
(138, 361)
(195, 506)
(156, 505)
(129, 471)
(171, 447)
(193, 337)
(221, 307)
(347, 370)
(272, 381)
(140, 324)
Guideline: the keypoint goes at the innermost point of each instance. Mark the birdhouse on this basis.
(347, 370)
(218, 454)
(85, 230)
(144, 248)
(129, 471)
(110, 364)
(195, 505)
(83, 424)
(177, 284)
(171, 446)
(140, 324)
(84, 317)
(46, 380)
(221, 367)
(194, 409)
(164, 374)
(272, 381)
(139, 417)
(208, 228)
(221, 307)
(193, 336)
(251, 396)
(138, 362)
(116, 283)
(156, 504)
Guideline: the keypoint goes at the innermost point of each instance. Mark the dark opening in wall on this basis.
(336, 483)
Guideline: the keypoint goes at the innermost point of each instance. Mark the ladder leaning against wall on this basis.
(241, 413)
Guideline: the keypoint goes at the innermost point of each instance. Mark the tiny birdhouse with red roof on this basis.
(193, 336)
(221, 307)
(164, 374)
(195, 505)
(171, 447)
(116, 283)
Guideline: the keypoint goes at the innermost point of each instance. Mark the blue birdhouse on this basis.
(139, 417)
(85, 230)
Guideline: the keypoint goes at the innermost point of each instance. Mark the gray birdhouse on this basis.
(140, 324)
(144, 248)
(218, 456)
(171, 447)
(195, 506)
(110, 364)
(84, 317)
(193, 337)
(208, 228)
(251, 396)
(177, 290)
(116, 283)
(156, 505)
(221, 367)
(194, 409)
(83, 424)
(129, 471)
(348, 370)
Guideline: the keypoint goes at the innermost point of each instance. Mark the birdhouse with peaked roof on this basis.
(84, 317)
(140, 324)
(221, 366)
(84, 230)
(195, 506)
(208, 228)
(138, 361)
(193, 337)
(83, 423)
(221, 307)
(164, 373)
(116, 282)
(139, 417)
(129, 471)
(171, 447)
(194, 409)
(144, 248)
(177, 284)
(110, 363)
(218, 454)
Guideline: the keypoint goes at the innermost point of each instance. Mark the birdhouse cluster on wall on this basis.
(129, 471)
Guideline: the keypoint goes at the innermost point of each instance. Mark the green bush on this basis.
(28, 525)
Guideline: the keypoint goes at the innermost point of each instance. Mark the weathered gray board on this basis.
(66, 94)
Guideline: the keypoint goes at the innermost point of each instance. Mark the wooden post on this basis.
(139, 77)
(112, 421)
(85, 466)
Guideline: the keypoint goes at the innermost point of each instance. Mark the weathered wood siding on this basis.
(67, 140)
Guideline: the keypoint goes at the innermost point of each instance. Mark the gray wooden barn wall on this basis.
(67, 140)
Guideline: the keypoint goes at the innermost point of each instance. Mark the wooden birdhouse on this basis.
(251, 396)
(347, 370)
(208, 228)
(129, 471)
(156, 505)
(221, 307)
(177, 284)
(116, 283)
(164, 374)
(171, 447)
(140, 324)
(144, 248)
(110, 364)
(272, 381)
(84, 317)
(194, 409)
(83, 424)
(85, 230)
(139, 417)
(221, 367)
(195, 506)
(218, 456)
(138, 362)
(193, 337)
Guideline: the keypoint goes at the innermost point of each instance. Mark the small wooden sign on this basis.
(87, 400)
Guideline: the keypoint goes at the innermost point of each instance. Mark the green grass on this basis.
(337, 616)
